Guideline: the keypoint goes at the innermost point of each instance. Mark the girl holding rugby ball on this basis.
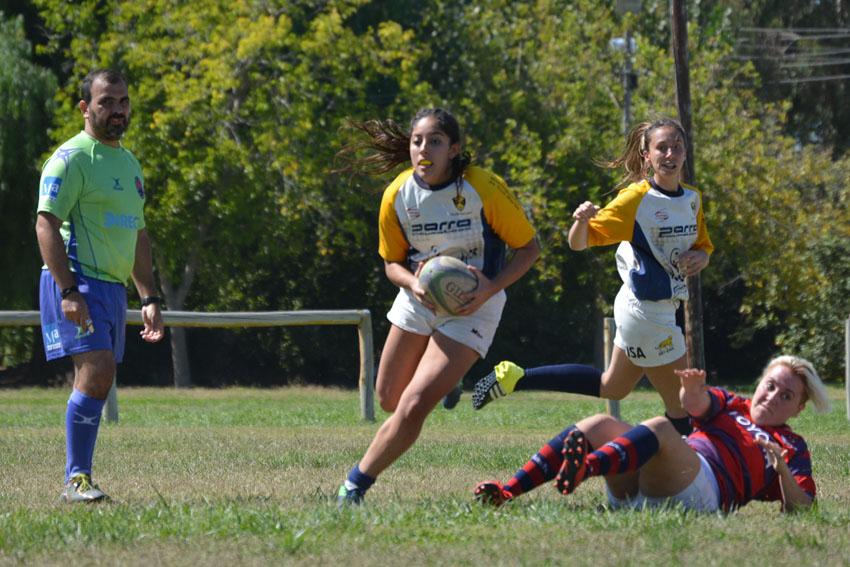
(440, 205)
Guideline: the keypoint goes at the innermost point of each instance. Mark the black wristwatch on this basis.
(150, 300)
(68, 291)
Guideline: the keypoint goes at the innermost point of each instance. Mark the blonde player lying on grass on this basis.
(740, 450)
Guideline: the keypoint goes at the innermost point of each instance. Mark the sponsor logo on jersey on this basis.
(675, 231)
(477, 333)
(443, 227)
(111, 220)
(665, 346)
(754, 430)
(460, 202)
(635, 352)
(52, 340)
(413, 212)
(117, 186)
(140, 188)
(84, 331)
(50, 187)
(662, 215)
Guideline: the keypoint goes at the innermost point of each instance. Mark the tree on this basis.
(237, 107)
(26, 107)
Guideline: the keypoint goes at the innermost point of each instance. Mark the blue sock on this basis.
(359, 480)
(82, 419)
(573, 378)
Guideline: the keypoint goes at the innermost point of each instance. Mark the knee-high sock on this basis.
(573, 378)
(623, 454)
(542, 467)
(82, 420)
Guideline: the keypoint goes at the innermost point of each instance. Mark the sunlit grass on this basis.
(247, 476)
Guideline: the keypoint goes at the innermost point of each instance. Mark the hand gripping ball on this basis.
(447, 279)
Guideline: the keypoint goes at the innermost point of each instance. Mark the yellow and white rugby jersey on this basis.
(653, 226)
(471, 222)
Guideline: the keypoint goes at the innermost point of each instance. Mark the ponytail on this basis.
(387, 144)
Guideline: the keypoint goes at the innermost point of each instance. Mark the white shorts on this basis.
(475, 331)
(702, 495)
(647, 330)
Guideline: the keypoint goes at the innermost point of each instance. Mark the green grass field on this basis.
(243, 476)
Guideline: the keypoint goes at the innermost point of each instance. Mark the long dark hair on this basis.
(387, 144)
(637, 144)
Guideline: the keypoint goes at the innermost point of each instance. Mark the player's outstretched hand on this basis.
(692, 379)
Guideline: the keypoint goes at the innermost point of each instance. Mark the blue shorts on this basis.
(107, 302)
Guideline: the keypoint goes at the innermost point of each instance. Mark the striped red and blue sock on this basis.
(623, 454)
(541, 468)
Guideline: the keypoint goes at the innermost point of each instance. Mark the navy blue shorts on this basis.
(107, 302)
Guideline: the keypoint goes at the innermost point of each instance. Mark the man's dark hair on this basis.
(111, 76)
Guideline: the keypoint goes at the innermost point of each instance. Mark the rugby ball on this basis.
(446, 279)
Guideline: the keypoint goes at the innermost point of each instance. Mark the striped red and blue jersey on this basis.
(726, 437)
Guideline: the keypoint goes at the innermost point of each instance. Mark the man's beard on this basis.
(107, 129)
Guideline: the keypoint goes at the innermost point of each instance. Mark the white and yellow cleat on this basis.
(80, 489)
(497, 384)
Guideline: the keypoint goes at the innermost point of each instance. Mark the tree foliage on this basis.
(238, 109)
(26, 92)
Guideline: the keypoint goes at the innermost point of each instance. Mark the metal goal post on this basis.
(610, 330)
(360, 317)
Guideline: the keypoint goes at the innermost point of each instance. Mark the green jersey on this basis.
(98, 191)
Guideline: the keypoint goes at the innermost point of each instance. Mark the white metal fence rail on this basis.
(360, 317)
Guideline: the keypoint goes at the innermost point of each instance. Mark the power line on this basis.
(796, 51)
(812, 79)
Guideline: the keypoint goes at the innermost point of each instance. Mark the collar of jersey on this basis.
(120, 147)
(677, 193)
(424, 185)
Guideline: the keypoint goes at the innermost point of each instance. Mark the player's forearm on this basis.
(695, 400)
(143, 266)
(578, 235)
(793, 497)
(399, 275)
(52, 249)
(518, 266)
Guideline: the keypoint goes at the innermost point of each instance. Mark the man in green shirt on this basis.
(91, 233)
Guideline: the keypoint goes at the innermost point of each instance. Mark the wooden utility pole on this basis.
(693, 307)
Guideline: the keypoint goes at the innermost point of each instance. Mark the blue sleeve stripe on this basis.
(650, 280)
(494, 250)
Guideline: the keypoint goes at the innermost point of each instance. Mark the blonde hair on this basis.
(815, 390)
(631, 160)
